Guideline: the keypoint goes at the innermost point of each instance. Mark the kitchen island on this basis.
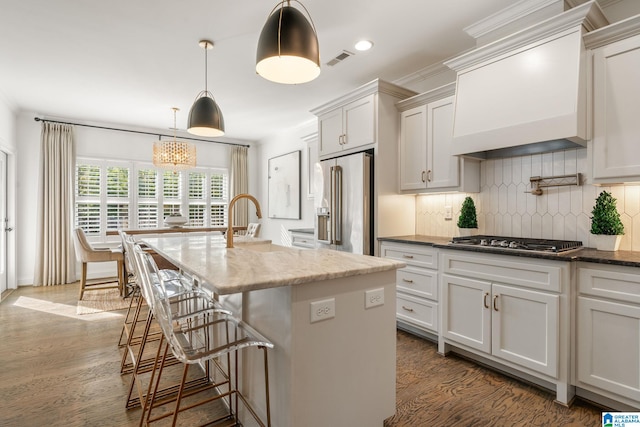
(330, 315)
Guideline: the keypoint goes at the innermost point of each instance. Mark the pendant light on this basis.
(288, 50)
(205, 117)
(175, 155)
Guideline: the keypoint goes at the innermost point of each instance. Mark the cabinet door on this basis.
(413, 148)
(330, 130)
(616, 110)
(608, 347)
(467, 315)
(442, 167)
(525, 328)
(359, 123)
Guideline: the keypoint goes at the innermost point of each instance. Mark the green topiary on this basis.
(606, 219)
(467, 218)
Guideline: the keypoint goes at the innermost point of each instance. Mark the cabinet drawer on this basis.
(540, 274)
(418, 281)
(417, 311)
(415, 255)
(614, 282)
(302, 240)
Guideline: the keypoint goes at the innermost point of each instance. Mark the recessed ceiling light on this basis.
(363, 45)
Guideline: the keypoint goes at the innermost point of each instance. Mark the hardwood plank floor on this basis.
(59, 369)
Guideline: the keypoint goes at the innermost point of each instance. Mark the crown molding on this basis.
(422, 74)
(613, 33)
(588, 16)
(426, 97)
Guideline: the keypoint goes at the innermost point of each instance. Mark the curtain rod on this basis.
(38, 119)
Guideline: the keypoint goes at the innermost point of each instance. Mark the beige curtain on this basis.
(239, 184)
(55, 259)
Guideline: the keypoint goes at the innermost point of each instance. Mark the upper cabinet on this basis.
(426, 162)
(350, 126)
(353, 122)
(616, 102)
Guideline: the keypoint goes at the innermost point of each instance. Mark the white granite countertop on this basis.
(255, 264)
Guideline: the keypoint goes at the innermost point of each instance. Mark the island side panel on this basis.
(344, 368)
(339, 371)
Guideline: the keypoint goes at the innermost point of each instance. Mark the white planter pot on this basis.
(465, 232)
(605, 242)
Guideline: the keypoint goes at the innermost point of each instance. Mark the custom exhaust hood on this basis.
(525, 93)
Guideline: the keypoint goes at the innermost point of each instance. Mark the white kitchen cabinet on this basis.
(425, 155)
(416, 285)
(510, 311)
(616, 105)
(347, 127)
(608, 332)
(514, 324)
(352, 123)
(302, 238)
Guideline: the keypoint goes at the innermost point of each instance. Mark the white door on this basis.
(3, 218)
(525, 328)
(467, 313)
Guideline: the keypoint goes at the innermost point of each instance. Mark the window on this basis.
(113, 195)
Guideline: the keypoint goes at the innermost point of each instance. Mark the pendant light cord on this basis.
(206, 72)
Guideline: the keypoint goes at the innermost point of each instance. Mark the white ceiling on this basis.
(128, 62)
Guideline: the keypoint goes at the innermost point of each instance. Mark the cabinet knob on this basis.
(495, 299)
(486, 303)
(407, 309)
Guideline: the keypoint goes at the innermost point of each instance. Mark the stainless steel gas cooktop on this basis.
(517, 243)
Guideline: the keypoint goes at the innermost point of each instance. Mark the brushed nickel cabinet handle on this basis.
(429, 175)
(495, 299)
(408, 256)
(407, 280)
(422, 176)
(407, 308)
(486, 304)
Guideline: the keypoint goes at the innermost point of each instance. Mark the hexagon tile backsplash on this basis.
(506, 208)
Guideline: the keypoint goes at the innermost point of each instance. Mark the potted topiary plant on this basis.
(606, 227)
(468, 221)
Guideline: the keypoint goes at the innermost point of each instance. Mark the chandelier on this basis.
(175, 155)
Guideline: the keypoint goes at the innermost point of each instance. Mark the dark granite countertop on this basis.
(625, 258)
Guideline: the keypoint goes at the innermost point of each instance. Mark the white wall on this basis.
(90, 142)
(276, 145)
(8, 144)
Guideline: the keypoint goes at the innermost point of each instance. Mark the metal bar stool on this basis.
(204, 338)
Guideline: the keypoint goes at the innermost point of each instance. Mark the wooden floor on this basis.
(59, 369)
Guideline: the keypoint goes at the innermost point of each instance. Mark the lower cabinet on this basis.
(302, 239)
(511, 323)
(608, 332)
(511, 312)
(416, 285)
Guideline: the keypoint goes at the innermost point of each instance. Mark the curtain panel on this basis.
(55, 257)
(239, 184)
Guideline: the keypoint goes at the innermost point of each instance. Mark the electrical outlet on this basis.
(323, 310)
(448, 213)
(374, 298)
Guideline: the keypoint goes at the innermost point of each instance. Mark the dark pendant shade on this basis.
(205, 117)
(288, 50)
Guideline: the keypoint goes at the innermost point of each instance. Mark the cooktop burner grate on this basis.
(527, 244)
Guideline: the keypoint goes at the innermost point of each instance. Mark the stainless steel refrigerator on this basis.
(343, 189)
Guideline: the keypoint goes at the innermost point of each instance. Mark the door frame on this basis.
(12, 282)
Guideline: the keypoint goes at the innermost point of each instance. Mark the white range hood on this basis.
(525, 93)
